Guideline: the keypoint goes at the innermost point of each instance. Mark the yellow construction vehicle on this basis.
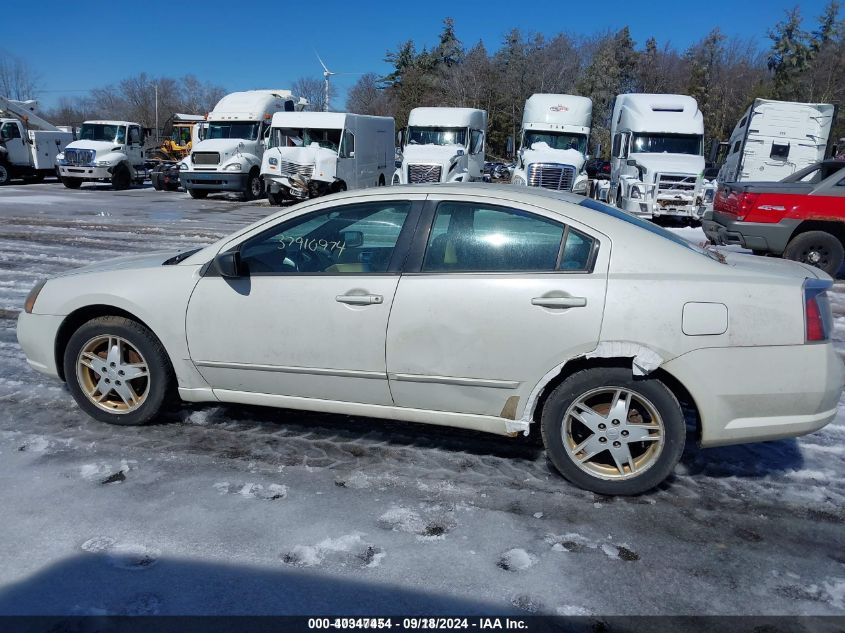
(184, 130)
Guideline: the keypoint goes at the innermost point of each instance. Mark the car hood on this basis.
(671, 163)
(754, 264)
(101, 147)
(134, 262)
(440, 154)
(542, 153)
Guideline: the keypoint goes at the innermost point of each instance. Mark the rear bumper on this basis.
(755, 394)
(724, 230)
(214, 180)
(37, 338)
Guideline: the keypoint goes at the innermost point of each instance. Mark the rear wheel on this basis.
(198, 194)
(72, 183)
(612, 434)
(120, 178)
(5, 175)
(817, 248)
(118, 371)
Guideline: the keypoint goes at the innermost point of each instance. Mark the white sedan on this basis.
(491, 308)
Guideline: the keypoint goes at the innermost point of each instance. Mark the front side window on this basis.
(356, 239)
(470, 237)
(246, 130)
(667, 143)
(780, 151)
(560, 140)
(476, 142)
(9, 131)
(348, 148)
(134, 136)
(437, 136)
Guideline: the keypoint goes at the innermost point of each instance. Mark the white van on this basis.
(311, 154)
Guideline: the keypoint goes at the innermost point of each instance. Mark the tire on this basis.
(381, 181)
(139, 347)
(618, 200)
(5, 175)
(338, 186)
(121, 179)
(72, 183)
(198, 194)
(594, 388)
(254, 187)
(275, 198)
(817, 248)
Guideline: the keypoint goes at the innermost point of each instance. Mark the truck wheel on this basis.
(5, 177)
(120, 178)
(254, 187)
(275, 198)
(817, 248)
(610, 433)
(72, 183)
(198, 194)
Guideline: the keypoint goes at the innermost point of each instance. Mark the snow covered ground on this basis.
(242, 510)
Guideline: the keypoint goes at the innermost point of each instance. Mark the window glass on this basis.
(560, 140)
(477, 141)
(354, 239)
(474, 238)
(813, 176)
(10, 131)
(247, 130)
(437, 136)
(736, 147)
(667, 143)
(577, 251)
(779, 151)
(617, 145)
(134, 135)
(348, 149)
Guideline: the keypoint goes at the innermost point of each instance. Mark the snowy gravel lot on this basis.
(242, 510)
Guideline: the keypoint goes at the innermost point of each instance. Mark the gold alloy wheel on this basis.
(613, 433)
(113, 374)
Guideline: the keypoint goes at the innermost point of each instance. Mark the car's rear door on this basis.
(494, 296)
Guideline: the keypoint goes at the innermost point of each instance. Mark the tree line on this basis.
(724, 74)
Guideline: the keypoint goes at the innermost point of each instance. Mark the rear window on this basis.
(643, 224)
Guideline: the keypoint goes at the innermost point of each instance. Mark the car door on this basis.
(308, 316)
(501, 295)
(347, 163)
(134, 148)
(12, 139)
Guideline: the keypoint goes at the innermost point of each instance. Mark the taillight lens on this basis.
(746, 203)
(818, 317)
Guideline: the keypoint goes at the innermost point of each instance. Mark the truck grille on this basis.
(287, 168)
(551, 176)
(676, 184)
(206, 158)
(423, 173)
(79, 156)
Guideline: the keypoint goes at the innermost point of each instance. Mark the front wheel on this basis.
(198, 194)
(275, 198)
(254, 187)
(5, 176)
(72, 183)
(610, 433)
(817, 248)
(118, 371)
(121, 179)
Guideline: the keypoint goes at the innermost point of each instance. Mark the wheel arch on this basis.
(835, 228)
(683, 395)
(80, 316)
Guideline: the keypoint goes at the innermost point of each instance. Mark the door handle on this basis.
(559, 302)
(359, 300)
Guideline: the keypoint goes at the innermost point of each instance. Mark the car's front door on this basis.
(503, 294)
(135, 148)
(308, 318)
(12, 139)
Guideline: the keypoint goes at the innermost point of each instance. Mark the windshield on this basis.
(103, 132)
(181, 135)
(437, 136)
(247, 130)
(556, 140)
(303, 137)
(667, 143)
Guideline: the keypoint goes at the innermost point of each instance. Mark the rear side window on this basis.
(780, 151)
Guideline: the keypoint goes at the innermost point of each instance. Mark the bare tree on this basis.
(17, 80)
(313, 89)
(366, 97)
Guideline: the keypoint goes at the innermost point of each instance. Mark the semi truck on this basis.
(28, 143)
(310, 154)
(774, 139)
(657, 156)
(443, 145)
(105, 151)
(229, 157)
(553, 143)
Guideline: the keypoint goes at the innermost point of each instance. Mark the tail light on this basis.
(745, 203)
(818, 318)
(738, 204)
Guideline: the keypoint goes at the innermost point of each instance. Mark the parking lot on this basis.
(226, 509)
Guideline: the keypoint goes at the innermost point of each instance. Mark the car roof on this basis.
(504, 191)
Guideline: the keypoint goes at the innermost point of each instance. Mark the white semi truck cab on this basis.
(310, 154)
(28, 143)
(229, 157)
(443, 145)
(657, 159)
(111, 151)
(553, 143)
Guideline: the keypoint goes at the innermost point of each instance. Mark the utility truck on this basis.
(105, 151)
(443, 145)
(774, 139)
(229, 157)
(28, 143)
(310, 154)
(553, 143)
(657, 157)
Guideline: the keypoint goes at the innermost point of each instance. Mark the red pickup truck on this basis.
(802, 217)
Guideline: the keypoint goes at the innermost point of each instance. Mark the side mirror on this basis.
(509, 148)
(229, 265)
(352, 239)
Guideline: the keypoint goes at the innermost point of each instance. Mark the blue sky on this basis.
(269, 44)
